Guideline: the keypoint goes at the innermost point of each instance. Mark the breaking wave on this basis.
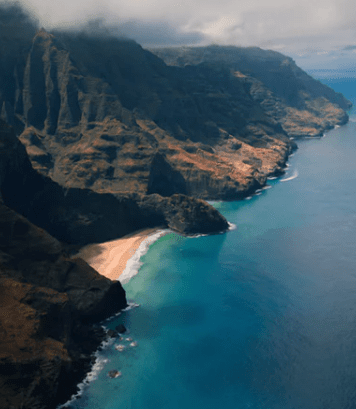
(134, 262)
(295, 175)
(97, 367)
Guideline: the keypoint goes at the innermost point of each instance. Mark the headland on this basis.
(100, 138)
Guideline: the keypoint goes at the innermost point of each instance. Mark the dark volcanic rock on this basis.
(121, 329)
(81, 216)
(47, 302)
(112, 334)
(114, 373)
(121, 141)
(104, 114)
(163, 179)
(302, 105)
(186, 215)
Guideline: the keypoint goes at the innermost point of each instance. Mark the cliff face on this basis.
(47, 304)
(105, 114)
(49, 301)
(120, 141)
(110, 109)
(302, 105)
(81, 216)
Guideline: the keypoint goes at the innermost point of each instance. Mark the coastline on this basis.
(140, 351)
(116, 259)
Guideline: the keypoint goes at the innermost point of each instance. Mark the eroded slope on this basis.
(105, 114)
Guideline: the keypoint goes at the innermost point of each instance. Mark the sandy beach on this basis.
(110, 258)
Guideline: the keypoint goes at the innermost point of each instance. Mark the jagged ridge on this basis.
(96, 112)
(47, 299)
(127, 138)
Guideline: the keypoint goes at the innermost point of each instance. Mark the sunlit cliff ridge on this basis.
(98, 138)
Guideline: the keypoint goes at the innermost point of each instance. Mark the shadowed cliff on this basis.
(102, 113)
(302, 105)
(47, 304)
(48, 300)
(107, 138)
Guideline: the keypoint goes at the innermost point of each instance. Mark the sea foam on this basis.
(295, 175)
(134, 262)
(131, 305)
(97, 367)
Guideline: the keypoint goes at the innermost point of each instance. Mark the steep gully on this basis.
(120, 141)
(49, 300)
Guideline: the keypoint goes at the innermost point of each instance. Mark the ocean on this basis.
(262, 317)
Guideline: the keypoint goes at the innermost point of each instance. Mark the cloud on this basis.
(149, 33)
(278, 24)
(158, 33)
(15, 21)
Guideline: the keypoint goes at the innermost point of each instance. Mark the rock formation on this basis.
(47, 305)
(81, 216)
(102, 113)
(302, 105)
(48, 301)
(100, 137)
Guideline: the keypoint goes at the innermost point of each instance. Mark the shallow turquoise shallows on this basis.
(261, 317)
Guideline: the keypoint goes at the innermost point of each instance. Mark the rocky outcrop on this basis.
(36, 257)
(47, 304)
(48, 300)
(124, 122)
(104, 114)
(120, 141)
(115, 149)
(302, 105)
(81, 216)
(134, 114)
(184, 215)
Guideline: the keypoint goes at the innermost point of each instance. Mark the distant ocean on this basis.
(263, 317)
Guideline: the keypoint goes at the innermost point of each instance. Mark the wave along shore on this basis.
(120, 259)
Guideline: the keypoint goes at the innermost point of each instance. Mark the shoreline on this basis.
(117, 258)
(121, 254)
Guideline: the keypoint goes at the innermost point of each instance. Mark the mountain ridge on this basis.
(97, 113)
(100, 137)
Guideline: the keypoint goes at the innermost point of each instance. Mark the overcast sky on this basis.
(283, 25)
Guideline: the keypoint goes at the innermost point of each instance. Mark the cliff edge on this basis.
(50, 301)
(102, 113)
(98, 138)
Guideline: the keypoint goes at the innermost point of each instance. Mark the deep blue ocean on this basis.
(262, 317)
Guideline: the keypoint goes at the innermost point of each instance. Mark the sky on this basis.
(289, 26)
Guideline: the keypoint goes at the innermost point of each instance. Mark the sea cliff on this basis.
(102, 113)
(100, 137)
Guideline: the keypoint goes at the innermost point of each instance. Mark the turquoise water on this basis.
(262, 317)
